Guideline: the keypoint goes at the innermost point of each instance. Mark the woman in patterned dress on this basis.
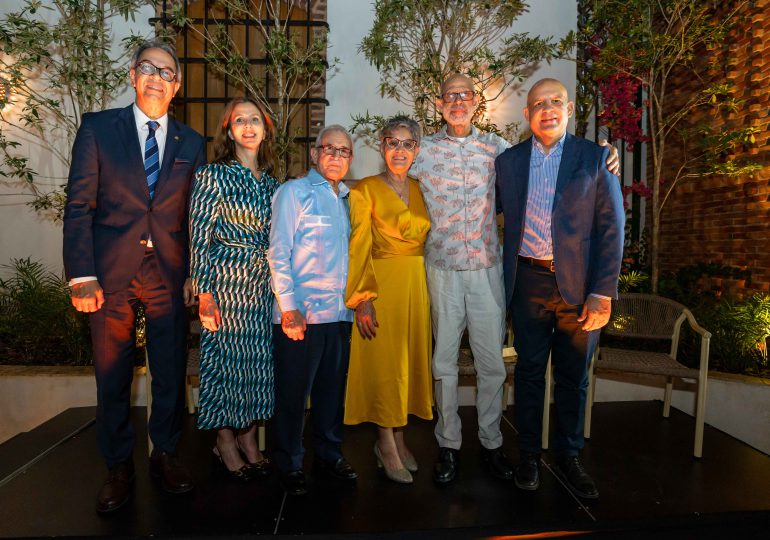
(229, 236)
(389, 376)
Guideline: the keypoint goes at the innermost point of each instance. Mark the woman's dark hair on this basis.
(224, 146)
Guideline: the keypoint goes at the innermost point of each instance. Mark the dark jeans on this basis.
(112, 334)
(544, 323)
(314, 367)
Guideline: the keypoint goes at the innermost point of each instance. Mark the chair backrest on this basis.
(645, 316)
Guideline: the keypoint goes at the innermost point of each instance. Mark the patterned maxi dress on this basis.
(229, 236)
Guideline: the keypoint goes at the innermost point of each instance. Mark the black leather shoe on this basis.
(571, 471)
(174, 476)
(340, 469)
(527, 476)
(497, 463)
(294, 482)
(445, 469)
(116, 489)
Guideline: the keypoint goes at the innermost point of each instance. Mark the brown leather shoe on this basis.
(116, 489)
(174, 476)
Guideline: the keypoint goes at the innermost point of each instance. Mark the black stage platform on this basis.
(650, 486)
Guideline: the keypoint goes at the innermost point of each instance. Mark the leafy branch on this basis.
(56, 71)
(434, 38)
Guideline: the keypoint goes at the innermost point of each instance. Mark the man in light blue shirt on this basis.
(308, 259)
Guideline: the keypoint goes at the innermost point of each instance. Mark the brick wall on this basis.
(719, 219)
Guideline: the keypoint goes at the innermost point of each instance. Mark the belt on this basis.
(543, 263)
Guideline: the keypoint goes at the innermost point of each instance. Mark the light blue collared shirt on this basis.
(308, 253)
(543, 172)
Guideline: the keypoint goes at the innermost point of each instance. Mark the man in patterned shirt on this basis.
(456, 170)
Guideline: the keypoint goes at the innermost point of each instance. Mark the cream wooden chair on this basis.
(646, 316)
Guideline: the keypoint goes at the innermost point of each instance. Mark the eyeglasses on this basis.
(148, 68)
(393, 143)
(451, 97)
(243, 122)
(331, 150)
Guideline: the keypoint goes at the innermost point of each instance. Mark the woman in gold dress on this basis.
(389, 376)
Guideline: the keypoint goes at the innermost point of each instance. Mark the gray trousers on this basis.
(472, 298)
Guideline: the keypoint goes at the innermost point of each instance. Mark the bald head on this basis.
(555, 84)
(456, 80)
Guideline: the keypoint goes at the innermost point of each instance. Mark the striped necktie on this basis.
(151, 158)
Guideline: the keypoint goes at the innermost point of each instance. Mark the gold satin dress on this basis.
(389, 376)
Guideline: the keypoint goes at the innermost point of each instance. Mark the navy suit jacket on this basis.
(586, 225)
(109, 215)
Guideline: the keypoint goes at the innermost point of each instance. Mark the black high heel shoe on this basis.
(244, 474)
(261, 468)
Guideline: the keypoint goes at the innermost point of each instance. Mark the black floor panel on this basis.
(643, 466)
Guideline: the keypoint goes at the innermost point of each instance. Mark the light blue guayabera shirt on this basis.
(308, 253)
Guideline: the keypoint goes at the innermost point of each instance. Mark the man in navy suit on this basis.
(563, 245)
(125, 244)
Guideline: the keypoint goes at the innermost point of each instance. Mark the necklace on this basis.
(402, 192)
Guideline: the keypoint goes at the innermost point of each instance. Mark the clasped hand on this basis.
(293, 324)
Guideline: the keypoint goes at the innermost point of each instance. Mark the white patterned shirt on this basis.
(457, 178)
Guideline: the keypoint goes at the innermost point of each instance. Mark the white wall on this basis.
(26, 401)
(353, 89)
(22, 232)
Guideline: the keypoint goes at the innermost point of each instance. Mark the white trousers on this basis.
(476, 299)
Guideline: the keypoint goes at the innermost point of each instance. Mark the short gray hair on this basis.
(331, 128)
(156, 44)
(401, 121)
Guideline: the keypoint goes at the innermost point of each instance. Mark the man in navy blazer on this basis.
(563, 245)
(125, 244)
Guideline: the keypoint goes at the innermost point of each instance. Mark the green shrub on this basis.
(38, 324)
(739, 327)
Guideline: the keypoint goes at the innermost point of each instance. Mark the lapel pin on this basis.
(176, 137)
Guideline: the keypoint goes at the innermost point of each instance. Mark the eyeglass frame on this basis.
(400, 143)
(338, 151)
(451, 97)
(156, 71)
